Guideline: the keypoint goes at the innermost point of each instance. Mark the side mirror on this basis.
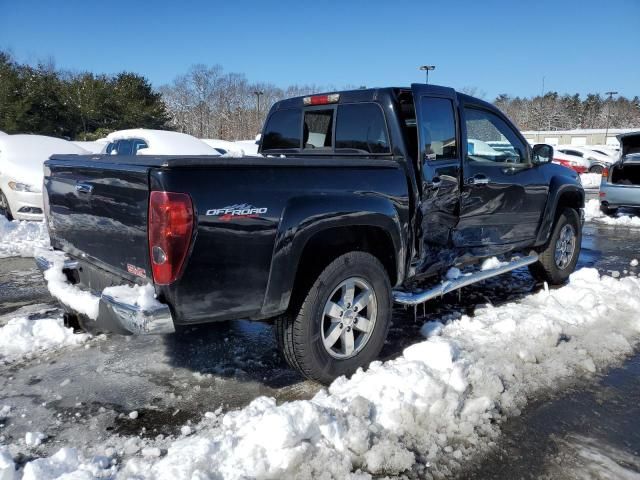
(542, 153)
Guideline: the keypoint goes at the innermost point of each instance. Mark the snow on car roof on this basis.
(25, 154)
(97, 146)
(162, 142)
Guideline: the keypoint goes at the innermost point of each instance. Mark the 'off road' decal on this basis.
(240, 211)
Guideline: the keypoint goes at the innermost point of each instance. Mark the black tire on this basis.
(5, 209)
(596, 169)
(546, 269)
(604, 208)
(299, 333)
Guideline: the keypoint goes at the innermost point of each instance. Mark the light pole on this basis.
(606, 132)
(427, 69)
(257, 93)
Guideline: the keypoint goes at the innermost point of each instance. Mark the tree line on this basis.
(209, 103)
(44, 100)
(553, 111)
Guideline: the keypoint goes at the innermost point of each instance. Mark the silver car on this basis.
(621, 188)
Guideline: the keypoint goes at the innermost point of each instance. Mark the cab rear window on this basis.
(284, 130)
(357, 128)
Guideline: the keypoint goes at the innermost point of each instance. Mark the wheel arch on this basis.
(564, 192)
(316, 230)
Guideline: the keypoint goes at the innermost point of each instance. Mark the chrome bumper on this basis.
(120, 317)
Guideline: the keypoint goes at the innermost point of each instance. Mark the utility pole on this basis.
(427, 69)
(257, 93)
(606, 132)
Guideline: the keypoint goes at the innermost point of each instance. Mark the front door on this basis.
(439, 160)
(503, 194)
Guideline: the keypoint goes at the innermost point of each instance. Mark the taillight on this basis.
(170, 228)
(321, 99)
(605, 173)
(602, 194)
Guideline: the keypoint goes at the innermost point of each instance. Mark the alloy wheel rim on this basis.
(349, 318)
(565, 247)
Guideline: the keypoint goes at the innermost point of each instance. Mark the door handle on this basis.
(479, 179)
(84, 188)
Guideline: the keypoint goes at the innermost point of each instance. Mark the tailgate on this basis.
(97, 211)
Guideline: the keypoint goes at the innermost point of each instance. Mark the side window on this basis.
(360, 128)
(491, 140)
(137, 145)
(282, 131)
(124, 147)
(318, 129)
(438, 129)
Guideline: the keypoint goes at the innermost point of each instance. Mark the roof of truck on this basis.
(374, 95)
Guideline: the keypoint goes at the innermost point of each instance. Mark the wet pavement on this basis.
(81, 396)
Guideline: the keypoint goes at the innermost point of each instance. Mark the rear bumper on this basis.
(620, 195)
(117, 316)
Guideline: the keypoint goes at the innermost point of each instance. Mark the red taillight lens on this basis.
(602, 194)
(170, 227)
(605, 173)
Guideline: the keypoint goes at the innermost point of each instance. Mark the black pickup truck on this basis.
(360, 199)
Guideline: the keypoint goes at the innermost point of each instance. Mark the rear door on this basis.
(503, 193)
(439, 161)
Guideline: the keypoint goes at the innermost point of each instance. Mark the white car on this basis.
(224, 147)
(598, 162)
(142, 141)
(21, 174)
(575, 163)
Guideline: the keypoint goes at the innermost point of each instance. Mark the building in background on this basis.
(578, 137)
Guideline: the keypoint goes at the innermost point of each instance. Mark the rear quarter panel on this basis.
(236, 259)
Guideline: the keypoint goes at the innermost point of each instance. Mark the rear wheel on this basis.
(596, 169)
(559, 258)
(604, 208)
(5, 210)
(342, 322)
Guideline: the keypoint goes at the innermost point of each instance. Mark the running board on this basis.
(416, 298)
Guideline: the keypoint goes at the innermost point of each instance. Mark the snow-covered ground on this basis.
(590, 180)
(20, 238)
(593, 214)
(25, 337)
(424, 413)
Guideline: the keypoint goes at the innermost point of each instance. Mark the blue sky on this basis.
(497, 46)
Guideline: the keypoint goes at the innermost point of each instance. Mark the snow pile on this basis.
(67, 464)
(141, 296)
(22, 337)
(593, 214)
(437, 405)
(21, 238)
(492, 263)
(231, 149)
(590, 180)
(79, 300)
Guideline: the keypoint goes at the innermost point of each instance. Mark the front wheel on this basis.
(343, 321)
(559, 258)
(5, 210)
